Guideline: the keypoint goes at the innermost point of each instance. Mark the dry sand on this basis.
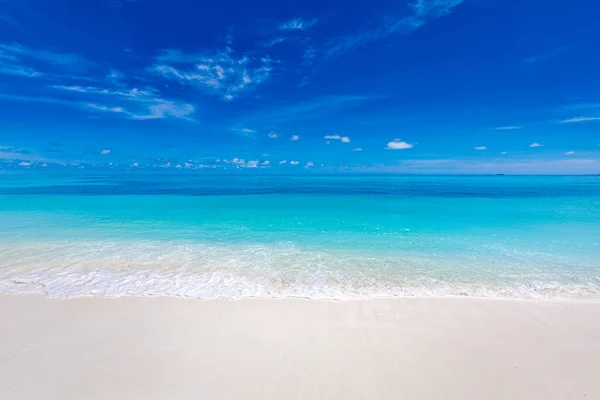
(173, 348)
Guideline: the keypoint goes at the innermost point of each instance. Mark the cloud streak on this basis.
(420, 13)
(548, 54)
(508, 128)
(316, 108)
(18, 55)
(579, 119)
(134, 103)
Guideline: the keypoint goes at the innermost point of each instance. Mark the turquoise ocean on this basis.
(312, 236)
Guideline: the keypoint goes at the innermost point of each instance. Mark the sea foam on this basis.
(235, 271)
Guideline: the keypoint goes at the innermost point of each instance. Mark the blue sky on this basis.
(423, 86)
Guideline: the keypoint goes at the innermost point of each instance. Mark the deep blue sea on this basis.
(314, 236)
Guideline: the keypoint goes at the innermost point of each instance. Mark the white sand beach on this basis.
(410, 348)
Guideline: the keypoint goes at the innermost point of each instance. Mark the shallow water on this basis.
(326, 237)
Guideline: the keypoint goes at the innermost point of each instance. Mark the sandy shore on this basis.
(172, 348)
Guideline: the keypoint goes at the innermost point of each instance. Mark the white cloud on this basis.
(135, 164)
(580, 119)
(105, 152)
(508, 128)
(297, 24)
(223, 73)
(295, 138)
(357, 149)
(266, 162)
(503, 153)
(282, 162)
(398, 144)
(480, 148)
(264, 155)
(535, 144)
(273, 135)
(294, 162)
(309, 164)
(343, 139)
(569, 153)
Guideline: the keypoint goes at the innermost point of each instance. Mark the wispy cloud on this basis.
(223, 73)
(104, 152)
(66, 61)
(569, 153)
(308, 56)
(273, 41)
(357, 149)
(282, 162)
(273, 135)
(16, 70)
(420, 13)
(295, 138)
(580, 119)
(294, 162)
(316, 108)
(166, 108)
(135, 103)
(244, 131)
(297, 24)
(582, 106)
(480, 148)
(548, 54)
(536, 144)
(11, 154)
(133, 93)
(7, 19)
(508, 128)
(103, 108)
(398, 144)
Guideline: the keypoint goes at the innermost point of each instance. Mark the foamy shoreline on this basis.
(160, 347)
